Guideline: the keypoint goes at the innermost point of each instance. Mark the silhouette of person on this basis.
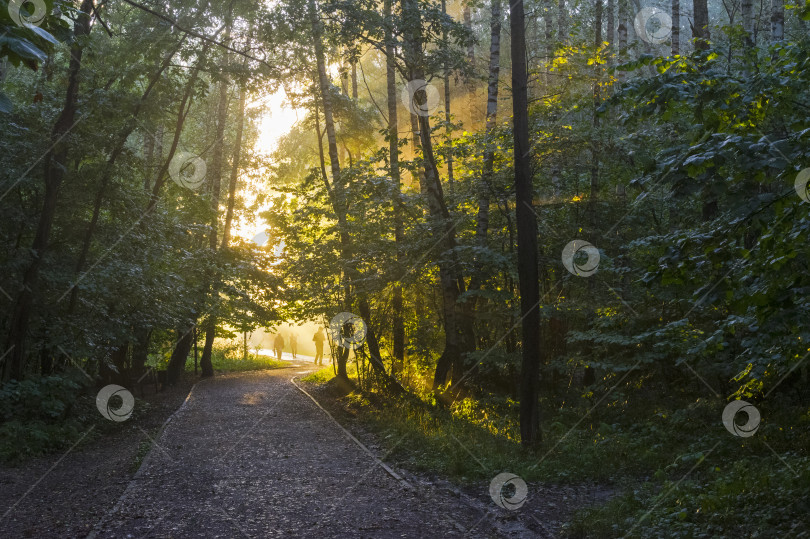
(294, 345)
(319, 339)
(278, 345)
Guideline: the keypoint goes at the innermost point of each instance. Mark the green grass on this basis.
(327, 373)
(676, 470)
(320, 377)
(224, 360)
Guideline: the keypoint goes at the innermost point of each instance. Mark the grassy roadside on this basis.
(226, 362)
(677, 472)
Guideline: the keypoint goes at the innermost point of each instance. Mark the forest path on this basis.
(249, 455)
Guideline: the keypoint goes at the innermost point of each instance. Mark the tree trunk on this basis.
(337, 194)
(548, 22)
(174, 370)
(354, 80)
(777, 20)
(177, 363)
(562, 27)
(448, 129)
(158, 155)
(592, 200)
(237, 157)
(622, 37)
(527, 236)
(371, 339)
(443, 229)
(398, 329)
(217, 162)
(675, 36)
(611, 23)
(491, 125)
(468, 25)
(149, 158)
(747, 12)
(140, 350)
(185, 105)
(700, 28)
(55, 167)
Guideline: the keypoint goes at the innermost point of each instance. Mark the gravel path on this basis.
(249, 455)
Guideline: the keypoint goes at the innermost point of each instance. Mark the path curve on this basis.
(249, 455)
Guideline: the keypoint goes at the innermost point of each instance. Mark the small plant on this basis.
(39, 416)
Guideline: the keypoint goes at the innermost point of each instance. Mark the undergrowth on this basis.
(676, 471)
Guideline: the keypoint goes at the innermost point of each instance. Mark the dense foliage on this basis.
(676, 159)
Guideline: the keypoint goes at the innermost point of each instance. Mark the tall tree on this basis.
(527, 235)
(621, 35)
(485, 185)
(55, 169)
(398, 322)
(336, 189)
(468, 25)
(777, 20)
(107, 173)
(448, 126)
(548, 22)
(337, 196)
(217, 165)
(700, 27)
(676, 27)
(562, 26)
(747, 12)
(443, 229)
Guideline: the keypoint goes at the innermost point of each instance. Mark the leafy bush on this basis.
(44, 399)
(39, 416)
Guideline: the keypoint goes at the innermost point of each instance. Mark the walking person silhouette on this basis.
(294, 345)
(278, 345)
(319, 339)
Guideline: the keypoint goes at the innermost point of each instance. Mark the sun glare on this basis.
(278, 117)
